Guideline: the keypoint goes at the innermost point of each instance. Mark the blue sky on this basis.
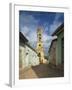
(29, 21)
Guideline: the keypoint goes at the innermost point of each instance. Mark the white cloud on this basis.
(46, 26)
(56, 23)
(32, 36)
(29, 24)
(28, 20)
(54, 26)
(29, 27)
(24, 30)
(47, 38)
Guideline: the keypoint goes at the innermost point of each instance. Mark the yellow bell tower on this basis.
(40, 49)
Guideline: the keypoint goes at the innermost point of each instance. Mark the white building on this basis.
(27, 55)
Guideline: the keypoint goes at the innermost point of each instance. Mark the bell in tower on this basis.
(40, 49)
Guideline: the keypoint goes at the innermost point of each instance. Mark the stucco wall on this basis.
(33, 58)
(27, 57)
(55, 53)
(52, 53)
(21, 57)
(59, 49)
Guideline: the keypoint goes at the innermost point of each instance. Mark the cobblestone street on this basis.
(41, 71)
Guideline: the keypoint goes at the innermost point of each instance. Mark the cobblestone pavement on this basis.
(40, 71)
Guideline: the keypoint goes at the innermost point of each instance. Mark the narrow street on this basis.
(41, 71)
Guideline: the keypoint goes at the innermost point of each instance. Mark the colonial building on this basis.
(40, 49)
(27, 55)
(56, 50)
(52, 52)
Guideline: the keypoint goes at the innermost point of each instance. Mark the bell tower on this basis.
(40, 49)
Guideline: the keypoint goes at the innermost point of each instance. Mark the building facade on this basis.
(52, 52)
(27, 55)
(56, 51)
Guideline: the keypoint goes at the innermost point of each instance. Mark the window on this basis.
(27, 53)
(39, 54)
(39, 34)
(39, 44)
(39, 38)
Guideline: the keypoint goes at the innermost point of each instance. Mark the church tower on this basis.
(40, 49)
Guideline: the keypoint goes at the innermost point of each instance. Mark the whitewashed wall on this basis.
(22, 56)
(33, 58)
(28, 57)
